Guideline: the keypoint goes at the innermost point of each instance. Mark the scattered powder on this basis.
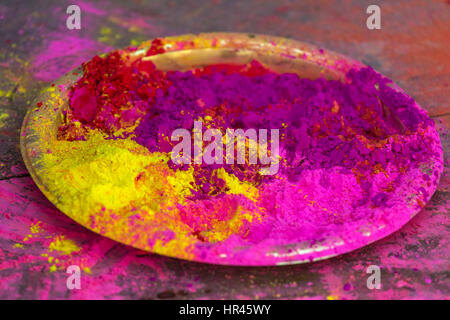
(63, 246)
(3, 117)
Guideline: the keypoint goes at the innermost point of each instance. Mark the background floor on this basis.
(37, 242)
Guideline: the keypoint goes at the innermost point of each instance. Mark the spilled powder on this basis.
(63, 245)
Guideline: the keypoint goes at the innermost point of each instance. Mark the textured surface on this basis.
(411, 48)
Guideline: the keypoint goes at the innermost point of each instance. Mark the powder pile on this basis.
(344, 149)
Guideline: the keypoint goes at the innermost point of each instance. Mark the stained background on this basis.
(412, 48)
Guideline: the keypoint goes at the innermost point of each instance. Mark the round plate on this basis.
(282, 55)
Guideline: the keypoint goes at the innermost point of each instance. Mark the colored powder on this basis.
(63, 246)
(3, 118)
(141, 188)
(344, 150)
(62, 53)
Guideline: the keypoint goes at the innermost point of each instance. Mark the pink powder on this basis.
(63, 54)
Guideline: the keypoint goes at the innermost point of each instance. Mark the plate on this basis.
(39, 133)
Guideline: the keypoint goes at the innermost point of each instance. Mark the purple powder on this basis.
(358, 126)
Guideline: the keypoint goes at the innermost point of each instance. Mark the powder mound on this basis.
(361, 125)
(113, 93)
(344, 149)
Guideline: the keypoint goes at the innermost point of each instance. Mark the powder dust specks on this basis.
(3, 117)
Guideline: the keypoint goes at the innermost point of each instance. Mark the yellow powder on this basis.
(238, 187)
(103, 184)
(121, 190)
(63, 246)
(223, 229)
(3, 117)
(36, 227)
